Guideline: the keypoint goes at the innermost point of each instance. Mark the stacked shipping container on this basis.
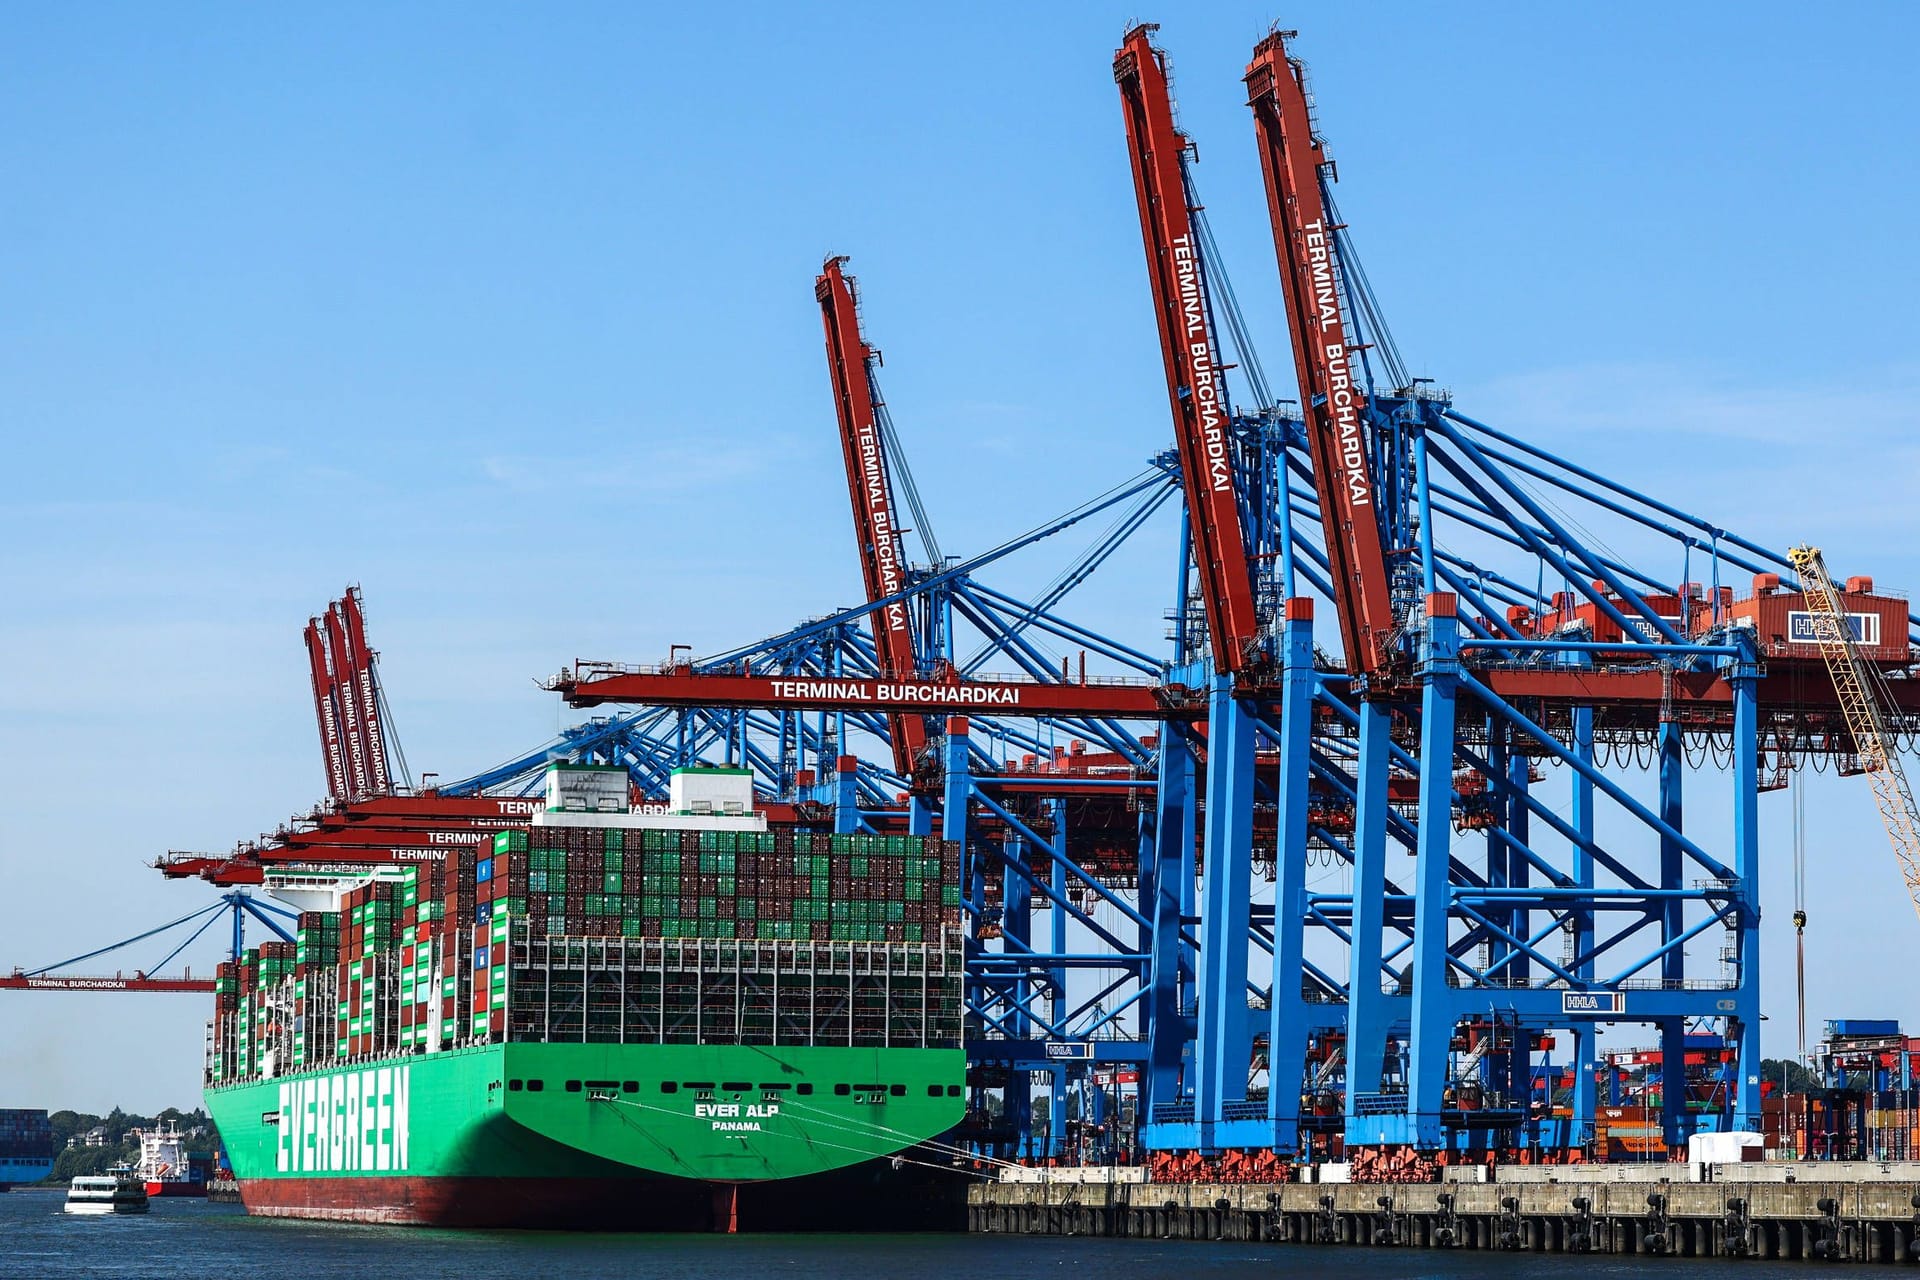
(1845, 1125)
(25, 1135)
(365, 1024)
(254, 1001)
(421, 960)
(602, 882)
(26, 1147)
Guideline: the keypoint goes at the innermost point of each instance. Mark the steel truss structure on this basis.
(1532, 688)
(1470, 794)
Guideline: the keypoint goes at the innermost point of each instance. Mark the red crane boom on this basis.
(876, 522)
(360, 685)
(116, 982)
(326, 712)
(1292, 157)
(594, 684)
(358, 780)
(1195, 380)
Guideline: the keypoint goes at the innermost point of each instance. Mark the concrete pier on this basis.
(1836, 1212)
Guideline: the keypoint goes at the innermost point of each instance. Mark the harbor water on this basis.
(191, 1240)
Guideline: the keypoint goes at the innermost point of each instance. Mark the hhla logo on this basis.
(354, 1122)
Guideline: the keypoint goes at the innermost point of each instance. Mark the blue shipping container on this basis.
(1863, 1027)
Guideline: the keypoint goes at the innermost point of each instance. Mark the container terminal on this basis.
(1299, 922)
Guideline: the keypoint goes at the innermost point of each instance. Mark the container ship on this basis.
(26, 1147)
(609, 1019)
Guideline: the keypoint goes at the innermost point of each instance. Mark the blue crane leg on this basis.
(1673, 964)
(1433, 1012)
(1223, 1038)
(1586, 1050)
(1367, 1008)
(1519, 1083)
(1746, 862)
(1016, 923)
(1173, 849)
(1287, 1016)
(1057, 936)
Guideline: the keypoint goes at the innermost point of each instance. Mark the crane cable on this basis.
(1800, 915)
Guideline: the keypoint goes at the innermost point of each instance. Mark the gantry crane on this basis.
(876, 519)
(1858, 684)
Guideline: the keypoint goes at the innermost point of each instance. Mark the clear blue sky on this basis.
(505, 313)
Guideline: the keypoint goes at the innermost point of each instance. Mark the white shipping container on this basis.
(716, 791)
(1725, 1148)
(576, 788)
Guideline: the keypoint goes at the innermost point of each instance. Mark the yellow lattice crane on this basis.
(1863, 700)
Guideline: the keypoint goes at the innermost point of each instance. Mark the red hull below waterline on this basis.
(867, 1197)
(175, 1189)
(603, 1204)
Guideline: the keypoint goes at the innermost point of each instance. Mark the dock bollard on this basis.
(1446, 1235)
(1580, 1233)
(1383, 1230)
(1736, 1232)
(1323, 1222)
(1658, 1237)
(1508, 1230)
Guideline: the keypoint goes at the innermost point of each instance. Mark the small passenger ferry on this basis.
(115, 1191)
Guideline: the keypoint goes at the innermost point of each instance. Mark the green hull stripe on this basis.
(456, 1114)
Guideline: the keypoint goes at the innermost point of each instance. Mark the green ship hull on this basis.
(612, 1136)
